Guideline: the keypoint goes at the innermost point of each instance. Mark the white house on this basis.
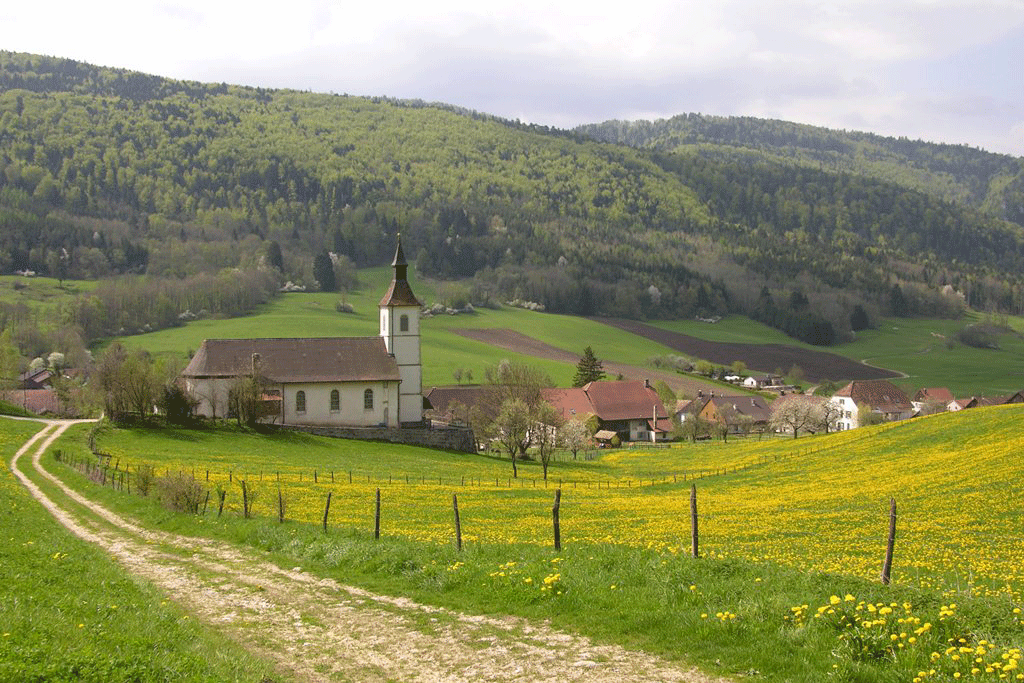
(332, 381)
(878, 396)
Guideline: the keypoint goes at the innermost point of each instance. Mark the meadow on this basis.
(816, 504)
(917, 347)
(70, 613)
(792, 538)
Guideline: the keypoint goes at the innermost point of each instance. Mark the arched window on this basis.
(403, 323)
(300, 401)
(368, 399)
(335, 401)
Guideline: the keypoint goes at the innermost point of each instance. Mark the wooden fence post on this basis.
(327, 508)
(280, 506)
(554, 519)
(693, 520)
(458, 524)
(376, 519)
(887, 567)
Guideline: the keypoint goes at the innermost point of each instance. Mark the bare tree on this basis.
(574, 435)
(828, 415)
(546, 429)
(513, 429)
(794, 413)
(692, 427)
(127, 382)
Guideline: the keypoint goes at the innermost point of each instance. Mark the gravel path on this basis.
(316, 629)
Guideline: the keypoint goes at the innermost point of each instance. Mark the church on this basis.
(325, 381)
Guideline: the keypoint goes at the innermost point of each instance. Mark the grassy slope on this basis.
(780, 535)
(313, 314)
(68, 612)
(917, 347)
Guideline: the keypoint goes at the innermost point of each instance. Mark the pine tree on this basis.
(588, 370)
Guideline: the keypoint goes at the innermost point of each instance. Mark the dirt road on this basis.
(316, 629)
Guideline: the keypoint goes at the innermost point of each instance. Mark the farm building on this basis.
(630, 410)
(876, 396)
(326, 381)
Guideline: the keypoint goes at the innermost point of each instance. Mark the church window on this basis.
(403, 323)
(300, 401)
(335, 401)
(368, 399)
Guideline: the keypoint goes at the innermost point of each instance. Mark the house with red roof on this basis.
(877, 396)
(631, 409)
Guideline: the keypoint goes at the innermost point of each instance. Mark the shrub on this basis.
(144, 476)
(180, 492)
(980, 336)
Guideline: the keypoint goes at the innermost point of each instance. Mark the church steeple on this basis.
(400, 293)
(400, 329)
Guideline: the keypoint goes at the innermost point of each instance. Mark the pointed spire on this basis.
(400, 293)
(399, 263)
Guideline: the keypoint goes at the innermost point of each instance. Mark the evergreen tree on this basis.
(859, 319)
(589, 369)
(323, 272)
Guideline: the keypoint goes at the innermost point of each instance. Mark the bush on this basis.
(980, 336)
(180, 492)
(144, 477)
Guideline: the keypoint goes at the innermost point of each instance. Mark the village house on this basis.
(763, 382)
(630, 410)
(876, 396)
(325, 381)
(741, 413)
(931, 400)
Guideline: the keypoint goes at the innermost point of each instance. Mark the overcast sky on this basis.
(939, 70)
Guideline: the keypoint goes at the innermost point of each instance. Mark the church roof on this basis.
(400, 293)
(303, 359)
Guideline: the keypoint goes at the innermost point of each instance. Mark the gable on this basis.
(304, 359)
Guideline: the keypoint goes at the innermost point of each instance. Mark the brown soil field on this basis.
(511, 340)
(817, 366)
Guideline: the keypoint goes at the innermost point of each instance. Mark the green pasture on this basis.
(42, 295)
(70, 613)
(925, 349)
(920, 348)
(444, 351)
(725, 614)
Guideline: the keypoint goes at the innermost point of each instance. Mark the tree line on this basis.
(105, 171)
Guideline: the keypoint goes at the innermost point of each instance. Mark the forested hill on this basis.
(991, 182)
(108, 171)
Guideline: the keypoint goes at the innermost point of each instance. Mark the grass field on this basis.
(69, 613)
(313, 314)
(814, 504)
(916, 347)
(792, 542)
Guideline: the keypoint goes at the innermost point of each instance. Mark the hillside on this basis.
(108, 171)
(993, 183)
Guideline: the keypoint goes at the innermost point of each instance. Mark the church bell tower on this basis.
(400, 328)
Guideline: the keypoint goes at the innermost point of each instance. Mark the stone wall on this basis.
(444, 438)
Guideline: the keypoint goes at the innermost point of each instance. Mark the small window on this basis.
(335, 401)
(403, 323)
(368, 399)
(300, 401)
